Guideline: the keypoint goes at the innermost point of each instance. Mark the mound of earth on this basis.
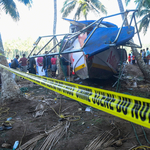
(133, 70)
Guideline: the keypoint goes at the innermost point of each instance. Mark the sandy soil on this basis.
(87, 125)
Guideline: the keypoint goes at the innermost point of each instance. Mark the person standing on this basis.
(133, 59)
(15, 64)
(144, 55)
(54, 67)
(32, 65)
(64, 64)
(39, 66)
(23, 62)
(129, 58)
(10, 63)
(47, 65)
(141, 52)
(147, 56)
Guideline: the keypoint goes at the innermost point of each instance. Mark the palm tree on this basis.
(83, 7)
(10, 8)
(143, 67)
(143, 7)
(54, 40)
(139, 3)
(10, 90)
(55, 22)
(54, 32)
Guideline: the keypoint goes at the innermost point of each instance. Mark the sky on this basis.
(38, 20)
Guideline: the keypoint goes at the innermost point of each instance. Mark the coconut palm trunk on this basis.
(9, 90)
(60, 73)
(143, 67)
(55, 23)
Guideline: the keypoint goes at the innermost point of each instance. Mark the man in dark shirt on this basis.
(47, 65)
(32, 65)
(10, 63)
(23, 62)
(65, 63)
(15, 64)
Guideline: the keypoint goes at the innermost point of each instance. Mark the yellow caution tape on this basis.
(141, 147)
(132, 108)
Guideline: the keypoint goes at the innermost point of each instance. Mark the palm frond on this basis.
(9, 7)
(69, 8)
(65, 4)
(144, 24)
(99, 6)
(84, 6)
(143, 7)
(139, 4)
(143, 12)
(142, 4)
(78, 13)
(146, 4)
(82, 9)
(127, 2)
(85, 9)
(26, 2)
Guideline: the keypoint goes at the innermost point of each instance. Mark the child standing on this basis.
(129, 58)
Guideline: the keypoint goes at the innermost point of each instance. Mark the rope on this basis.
(76, 118)
(145, 135)
(143, 147)
(66, 117)
(5, 110)
(136, 134)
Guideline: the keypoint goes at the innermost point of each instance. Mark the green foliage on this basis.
(20, 47)
(83, 7)
(9, 6)
(143, 7)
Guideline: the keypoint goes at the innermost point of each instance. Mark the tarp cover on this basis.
(102, 37)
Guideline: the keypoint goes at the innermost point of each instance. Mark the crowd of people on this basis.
(131, 59)
(145, 55)
(47, 65)
(42, 66)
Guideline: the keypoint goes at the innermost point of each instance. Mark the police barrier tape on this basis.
(132, 108)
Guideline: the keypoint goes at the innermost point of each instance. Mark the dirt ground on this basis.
(39, 112)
